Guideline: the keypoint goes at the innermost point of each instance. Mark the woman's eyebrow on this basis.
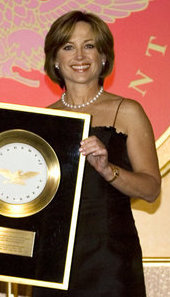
(69, 41)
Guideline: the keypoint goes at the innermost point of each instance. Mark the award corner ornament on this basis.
(29, 173)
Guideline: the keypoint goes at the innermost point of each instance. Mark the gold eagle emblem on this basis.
(18, 177)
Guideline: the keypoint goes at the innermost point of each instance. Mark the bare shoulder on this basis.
(133, 111)
(127, 105)
(127, 111)
(131, 117)
(131, 106)
(56, 105)
(136, 118)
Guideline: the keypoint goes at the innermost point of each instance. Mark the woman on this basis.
(121, 160)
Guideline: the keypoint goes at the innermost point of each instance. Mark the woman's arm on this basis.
(144, 182)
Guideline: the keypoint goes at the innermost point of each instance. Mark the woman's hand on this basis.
(96, 153)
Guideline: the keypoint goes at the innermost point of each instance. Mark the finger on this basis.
(89, 140)
(92, 145)
(93, 149)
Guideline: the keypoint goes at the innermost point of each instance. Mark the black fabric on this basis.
(107, 260)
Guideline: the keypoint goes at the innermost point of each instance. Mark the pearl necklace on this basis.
(81, 105)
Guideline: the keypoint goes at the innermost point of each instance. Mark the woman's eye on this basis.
(89, 45)
(67, 47)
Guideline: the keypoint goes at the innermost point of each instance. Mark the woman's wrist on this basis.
(112, 173)
(115, 173)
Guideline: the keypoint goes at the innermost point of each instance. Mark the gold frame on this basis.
(86, 125)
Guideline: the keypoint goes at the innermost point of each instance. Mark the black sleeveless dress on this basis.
(107, 260)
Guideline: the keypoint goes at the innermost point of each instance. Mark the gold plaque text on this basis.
(16, 242)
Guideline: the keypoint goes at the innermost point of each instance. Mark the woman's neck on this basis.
(81, 94)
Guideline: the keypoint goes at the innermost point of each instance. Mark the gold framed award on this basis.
(41, 177)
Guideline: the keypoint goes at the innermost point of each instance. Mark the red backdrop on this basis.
(141, 32)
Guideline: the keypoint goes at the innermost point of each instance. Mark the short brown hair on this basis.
(60, 33)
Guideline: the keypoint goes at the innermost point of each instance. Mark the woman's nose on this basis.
(79, 53)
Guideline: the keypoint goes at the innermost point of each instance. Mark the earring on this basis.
(57, 66)
(103, 63)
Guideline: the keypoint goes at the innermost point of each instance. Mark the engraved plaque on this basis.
(45, 219)
(16, 242)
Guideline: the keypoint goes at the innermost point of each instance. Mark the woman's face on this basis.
(79, 60)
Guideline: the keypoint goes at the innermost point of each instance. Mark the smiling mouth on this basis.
(80, 67)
